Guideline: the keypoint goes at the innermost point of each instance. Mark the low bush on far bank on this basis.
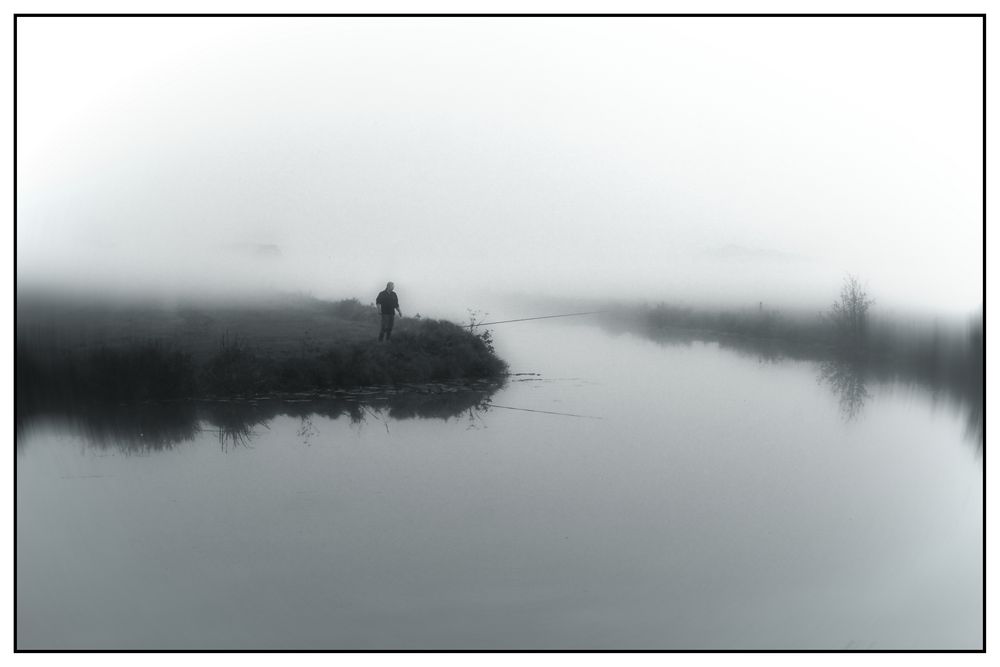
(935, 352)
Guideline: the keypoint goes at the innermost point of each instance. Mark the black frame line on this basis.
(502, 15)
(983, 16)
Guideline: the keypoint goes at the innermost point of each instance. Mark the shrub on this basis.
(849, 315)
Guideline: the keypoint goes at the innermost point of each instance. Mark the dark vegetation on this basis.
(936, 350)
(65, 357)
(852, 342)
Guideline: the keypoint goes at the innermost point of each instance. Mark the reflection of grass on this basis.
(234, 426)
(138, 428)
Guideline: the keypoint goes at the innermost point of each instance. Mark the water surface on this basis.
(699, 499)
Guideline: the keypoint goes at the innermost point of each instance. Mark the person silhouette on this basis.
(388, 301)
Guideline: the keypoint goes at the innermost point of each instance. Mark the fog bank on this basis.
(719, 161)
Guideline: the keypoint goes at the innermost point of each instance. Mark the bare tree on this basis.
(849, 314)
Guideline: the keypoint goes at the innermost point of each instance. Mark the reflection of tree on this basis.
(847, 380)
(143, 427)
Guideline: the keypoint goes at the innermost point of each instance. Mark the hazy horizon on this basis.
(717, 161)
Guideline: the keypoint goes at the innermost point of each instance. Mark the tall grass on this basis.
(427, 350)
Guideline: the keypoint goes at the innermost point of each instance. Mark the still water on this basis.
(699, 499)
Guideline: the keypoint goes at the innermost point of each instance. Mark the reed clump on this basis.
(422, 351)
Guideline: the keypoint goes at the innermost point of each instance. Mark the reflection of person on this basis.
(387, 302)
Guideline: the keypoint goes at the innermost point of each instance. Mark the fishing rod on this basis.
(544, 412)
(528, 319)
(543, 317)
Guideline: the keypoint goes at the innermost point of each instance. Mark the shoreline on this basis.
(302, 347)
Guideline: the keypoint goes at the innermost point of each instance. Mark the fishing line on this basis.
(544, 412)
(543, 317)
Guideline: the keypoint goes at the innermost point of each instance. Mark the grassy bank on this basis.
(301, 346)
(944, 357)
(932, 348)
(935, 349)
(289, 325)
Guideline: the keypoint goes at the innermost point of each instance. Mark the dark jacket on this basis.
(388, 301)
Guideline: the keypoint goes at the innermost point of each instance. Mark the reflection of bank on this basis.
(950, 372)
(849, 378)
(145, 427)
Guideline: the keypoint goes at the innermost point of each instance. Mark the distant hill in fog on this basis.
(252, 250)
(740, 253)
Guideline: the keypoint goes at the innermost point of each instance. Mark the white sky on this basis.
(695, 159)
